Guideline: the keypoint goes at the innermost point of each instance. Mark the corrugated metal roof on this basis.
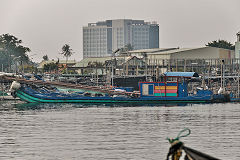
(181, 74)
(152, 50)
(177, 50)
(84, 62)
(164, 51)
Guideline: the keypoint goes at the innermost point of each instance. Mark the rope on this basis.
(176, 146)
(180, 135)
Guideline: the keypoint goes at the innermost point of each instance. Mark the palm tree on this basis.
(45, 58)
(66, 52)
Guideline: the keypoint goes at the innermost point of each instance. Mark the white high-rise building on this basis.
(102, 38)
(237, 46)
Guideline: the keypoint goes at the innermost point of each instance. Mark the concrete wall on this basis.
(226, 54)
(157, 59)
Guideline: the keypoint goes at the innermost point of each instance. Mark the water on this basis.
(71, 131)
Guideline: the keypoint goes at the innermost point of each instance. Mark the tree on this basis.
(50, 67)
(3, 60)
(129, 47)
(126, 48)
(221, 44)
(66, 52)
(45, 67)
(12, 50)
(45, 58)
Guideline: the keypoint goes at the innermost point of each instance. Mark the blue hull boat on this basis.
(174, 91)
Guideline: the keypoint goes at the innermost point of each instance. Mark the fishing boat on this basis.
(172, 89)
(178, 150)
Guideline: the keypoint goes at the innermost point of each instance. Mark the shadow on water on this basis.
(38, 106)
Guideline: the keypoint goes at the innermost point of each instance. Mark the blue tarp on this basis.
(181, 74)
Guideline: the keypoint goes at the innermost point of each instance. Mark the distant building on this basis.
(102, 38)
(237, 46)
(156, 61)
(167, 57)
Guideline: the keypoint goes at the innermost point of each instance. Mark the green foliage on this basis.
(11, 50)
(3, 60)
(221, 44)
(50, 67)
(66, 52)
(64, 71)
(127, 47)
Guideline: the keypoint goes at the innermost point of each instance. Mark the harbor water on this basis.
(90, 132)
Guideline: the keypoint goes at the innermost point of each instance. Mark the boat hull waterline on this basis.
(33, 99)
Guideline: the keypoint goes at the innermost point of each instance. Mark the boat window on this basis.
(171, 79)
(147, 89)
(180, 80)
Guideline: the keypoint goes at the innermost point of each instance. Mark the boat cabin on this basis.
(173, 85)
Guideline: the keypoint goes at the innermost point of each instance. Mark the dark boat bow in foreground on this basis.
(177, 148)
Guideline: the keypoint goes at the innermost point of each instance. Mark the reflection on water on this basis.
(75, 131)
(38, 106)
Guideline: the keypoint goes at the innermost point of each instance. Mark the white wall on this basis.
(204, 53)
(237, 49)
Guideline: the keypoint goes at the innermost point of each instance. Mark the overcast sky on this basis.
(46, 25)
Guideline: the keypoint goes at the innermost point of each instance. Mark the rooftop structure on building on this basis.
(103, 37)
(237, 46)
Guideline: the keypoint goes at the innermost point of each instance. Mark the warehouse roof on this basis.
(177, 50)
(85, 62)
(152, 50)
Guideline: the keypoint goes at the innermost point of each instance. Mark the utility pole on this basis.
(238, 84)
(223, 75)
(113, 59)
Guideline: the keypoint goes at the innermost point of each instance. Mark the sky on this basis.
(46, 25)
